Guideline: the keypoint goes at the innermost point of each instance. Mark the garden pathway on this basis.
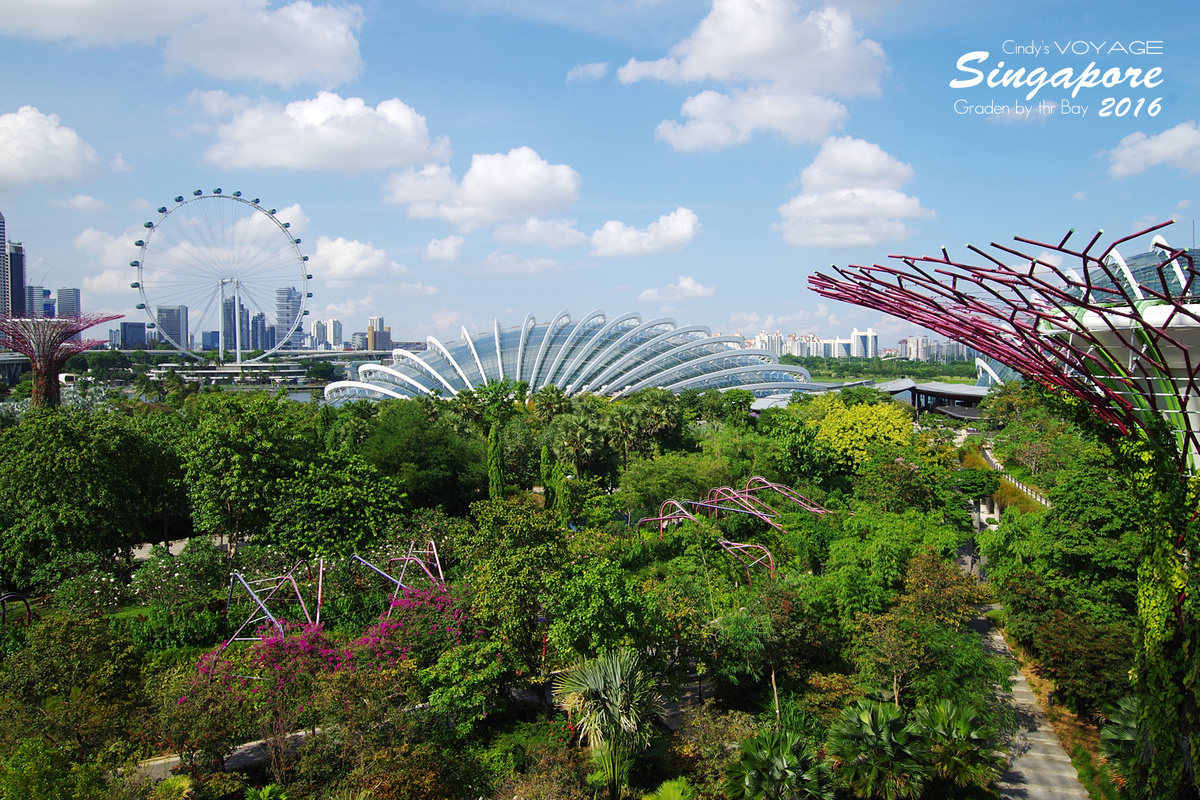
(1040, 768)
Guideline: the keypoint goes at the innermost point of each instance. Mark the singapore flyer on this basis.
(222, 267)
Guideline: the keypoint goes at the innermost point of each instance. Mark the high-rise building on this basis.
(258, 332)
(133, 335)
(864, 344)
(358, 340)
(320, 332)
(68, 303)
(287, 309)
(33, 301)
(210, 340)
(173, 323)
(5, 292)
(14, 297)
(335, 334)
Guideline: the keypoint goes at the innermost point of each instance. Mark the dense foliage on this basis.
(541, 667)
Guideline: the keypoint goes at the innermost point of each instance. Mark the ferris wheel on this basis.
(222, 268)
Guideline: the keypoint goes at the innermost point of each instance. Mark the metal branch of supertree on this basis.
(48, 342)
(1073, 318)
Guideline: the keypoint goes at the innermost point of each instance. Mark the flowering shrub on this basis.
(185, 581)
(93, 591)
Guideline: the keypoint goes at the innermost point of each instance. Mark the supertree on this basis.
(48, 342)
(1113, 339)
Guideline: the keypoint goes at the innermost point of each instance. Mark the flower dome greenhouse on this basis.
(609, 356)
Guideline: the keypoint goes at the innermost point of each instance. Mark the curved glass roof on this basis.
(612, 356)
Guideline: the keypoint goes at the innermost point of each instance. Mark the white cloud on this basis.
(35, 148)
(418, 288)
(1137, 152)
(715, 121)
(293, 215)
(592, 71)
(669, 233)
(851, 197)
(779, 64)
(508, 264)
(231, 39)
(341, 262)
(686, 288)
(327, 132)
(1079, 196)
(444, 249)
(497, 186)
(109, 256)
(297, 43)
(550, 232)
(81, 202)
(117, 164)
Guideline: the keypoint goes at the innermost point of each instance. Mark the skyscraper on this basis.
(335, 334)
(34, 305)
(258, 333)
(287, 308)
(5, 301)
(133, 335)
(68, 303)
(173, 323)
(14, 297)
(320, 332)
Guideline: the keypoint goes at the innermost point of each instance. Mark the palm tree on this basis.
(614, 702)
(625, 427)
(962, 750)
(779, 765)
(1125, 748)
(678, 789)
(573, 441)
(547, 403)
(875, 753)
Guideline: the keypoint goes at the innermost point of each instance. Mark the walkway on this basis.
(1040, 768)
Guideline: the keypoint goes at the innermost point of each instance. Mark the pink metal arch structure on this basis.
(758, 483)
(299, 582)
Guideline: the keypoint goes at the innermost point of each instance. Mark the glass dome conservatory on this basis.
(613, 356)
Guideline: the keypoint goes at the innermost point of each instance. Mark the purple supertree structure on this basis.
(1116, 336)
(48, 342)
(1074, 320)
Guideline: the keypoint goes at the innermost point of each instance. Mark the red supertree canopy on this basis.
(1078, 320)
(48, 343)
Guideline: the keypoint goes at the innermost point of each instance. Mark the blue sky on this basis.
(449, 163)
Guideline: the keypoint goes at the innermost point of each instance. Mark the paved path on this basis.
(1040, 768)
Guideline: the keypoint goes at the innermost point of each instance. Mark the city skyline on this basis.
(447, 164)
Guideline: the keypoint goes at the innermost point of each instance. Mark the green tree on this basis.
(615, 702)
(337, 505)
(850, 431)
(434, 465)
(515, 557)
(238, 448)
(74, 684)
(75, 481)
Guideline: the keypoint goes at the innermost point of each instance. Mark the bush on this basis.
(186, 581)
(1088, 661)
(162, 629)
(95, 591)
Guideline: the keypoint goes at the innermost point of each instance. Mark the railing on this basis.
(1033, 494)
